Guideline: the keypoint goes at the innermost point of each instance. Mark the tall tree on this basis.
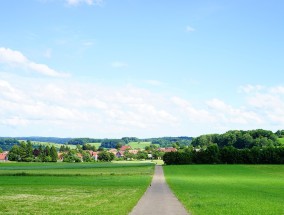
(53, 154)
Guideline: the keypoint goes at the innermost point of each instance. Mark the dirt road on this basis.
(158, 199)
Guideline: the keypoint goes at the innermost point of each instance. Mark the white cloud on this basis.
(12, 57)
(95, 110)
(54, 107)
(17, 59)
(251, 88)
(268, 102)
(277, 90)
(119, 64)
(154, 82)
(45, 70)
(47, 53)
(88, 43)
(190, 29)
(193, 113)
(227, 113)
(88, 2)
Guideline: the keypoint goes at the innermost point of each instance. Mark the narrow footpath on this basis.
(158, 199)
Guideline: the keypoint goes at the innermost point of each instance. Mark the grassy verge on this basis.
(56, 145)
(228, 189)
(72, 188)
(281, 140)
(139, 145)
(155, 162)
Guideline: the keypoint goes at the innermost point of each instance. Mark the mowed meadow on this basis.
(228, 189)
(64, 188)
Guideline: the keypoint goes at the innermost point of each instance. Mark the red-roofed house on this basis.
(169, 149)
(124, 148)
(94, 155)
(113, 151)
(3, 156)
(60, 156)
(79, 155)
(133, 151)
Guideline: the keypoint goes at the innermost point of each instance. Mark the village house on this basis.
(113, 151)
(4, 156)
(124, 148)
(169, 149)
(94, 155)
(80, 156)
(133, 151)
(60, 156)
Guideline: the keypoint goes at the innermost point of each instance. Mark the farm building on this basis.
(3, 156)
(94, 155)
(124, 148)
(169, 149)
(119, 154)
(114, 151)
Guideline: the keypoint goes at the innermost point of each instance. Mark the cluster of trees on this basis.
(79, 154)
(239, 139)
(7, 143)
(127, 140)
(24, 152)
(64, 148)
(226, 155)
(82, 141)
(45, 139)
(171, 141)
(112, 143)
(143, 155)
(106, 156)
(280, 133)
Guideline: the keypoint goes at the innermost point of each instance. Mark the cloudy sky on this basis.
(144, 68)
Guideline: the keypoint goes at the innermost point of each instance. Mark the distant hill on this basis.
(46, 139)
(6, 143)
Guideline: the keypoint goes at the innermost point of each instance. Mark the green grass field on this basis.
(281, 140)
(56, 145)
(228, 189)
(63, 188)
(97, 145)
(140, 145)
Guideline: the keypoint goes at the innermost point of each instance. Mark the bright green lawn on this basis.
(62, 188)
(56, 145)
(97, 145)
(281, 140)
(140, 145)
(229, 189)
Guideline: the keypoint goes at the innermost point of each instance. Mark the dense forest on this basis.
(226, 155)
(24, 152)
(7, 143)
(239, 139)
(46, 139)
(233, 147)
(236, 138)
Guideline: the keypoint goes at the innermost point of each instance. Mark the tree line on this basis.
(7, 143)
(226, 155)
(239, 139)
(24, 152)
(233, 147)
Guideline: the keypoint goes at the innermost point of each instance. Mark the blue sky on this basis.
(109, 68)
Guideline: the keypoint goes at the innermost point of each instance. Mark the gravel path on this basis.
(158, 199)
